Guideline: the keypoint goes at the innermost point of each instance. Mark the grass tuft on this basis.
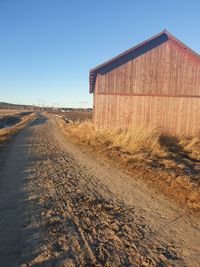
(191, 146)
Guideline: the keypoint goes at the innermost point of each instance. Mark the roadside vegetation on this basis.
(169, 164)
(7, 132)
(74, 114)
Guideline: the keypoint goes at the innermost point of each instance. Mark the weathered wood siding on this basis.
(162, 70)
(159, 89)
(173, 115)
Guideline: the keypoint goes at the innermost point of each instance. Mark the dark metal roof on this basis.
(134, 52)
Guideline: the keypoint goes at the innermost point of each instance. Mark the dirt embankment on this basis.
(167, 164)
(10, 124)
(9, 120)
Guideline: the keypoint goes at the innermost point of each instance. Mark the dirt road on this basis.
(60, 206)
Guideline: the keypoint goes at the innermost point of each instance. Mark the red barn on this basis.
(155, 84)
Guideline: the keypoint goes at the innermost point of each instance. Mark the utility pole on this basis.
(55, 105)
(83, 105)
(41, 104)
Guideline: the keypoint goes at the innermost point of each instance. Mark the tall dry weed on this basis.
(133, 141)
(191, 146)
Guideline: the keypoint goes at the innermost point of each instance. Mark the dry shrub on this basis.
(191, 146)
(133, 141)
(83, 131)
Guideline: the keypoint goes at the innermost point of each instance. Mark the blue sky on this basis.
(48, 46)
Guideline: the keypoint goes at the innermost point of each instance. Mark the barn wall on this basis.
(159, 89)
(172, 115)
(166, 69)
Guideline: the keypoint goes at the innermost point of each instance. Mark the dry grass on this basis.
(5, 133)
(132, 141)
(191, 146)
(168, 164)
(76, 115)
(135, 141)
(4, 112)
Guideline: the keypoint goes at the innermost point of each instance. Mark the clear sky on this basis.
(47, 47)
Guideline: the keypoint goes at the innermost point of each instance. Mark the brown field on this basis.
(169, 164)
(5, 133)
(75, 115)
(4, 112)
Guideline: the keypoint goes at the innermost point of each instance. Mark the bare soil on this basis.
(61, 206)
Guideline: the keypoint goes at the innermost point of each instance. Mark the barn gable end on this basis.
(154, 85)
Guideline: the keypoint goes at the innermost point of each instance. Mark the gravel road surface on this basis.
(60, 206)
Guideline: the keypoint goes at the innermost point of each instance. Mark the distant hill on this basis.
(7, 105)
(13, 106)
